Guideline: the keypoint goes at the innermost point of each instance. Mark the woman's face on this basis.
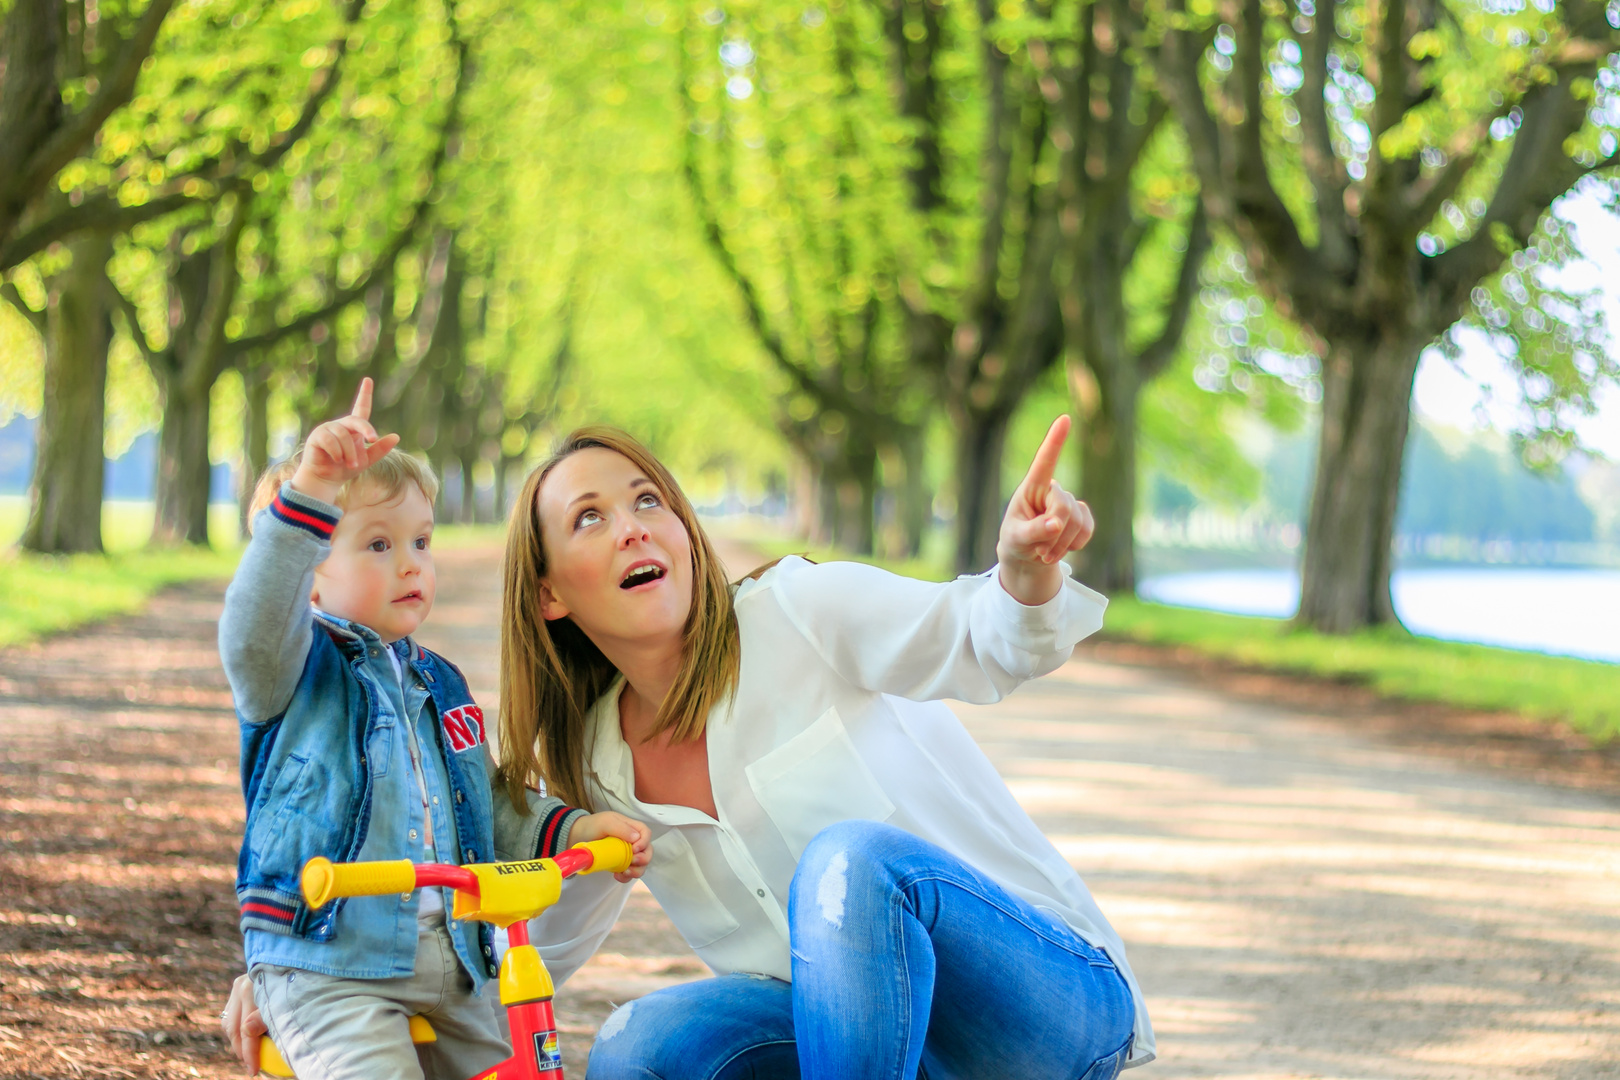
(618, 559)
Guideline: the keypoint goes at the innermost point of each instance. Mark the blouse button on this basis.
(760, 891)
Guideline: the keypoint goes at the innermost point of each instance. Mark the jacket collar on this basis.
(359, 636)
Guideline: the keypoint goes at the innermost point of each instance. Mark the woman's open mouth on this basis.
(643, 573)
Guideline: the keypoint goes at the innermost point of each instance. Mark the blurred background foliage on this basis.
(839, 262)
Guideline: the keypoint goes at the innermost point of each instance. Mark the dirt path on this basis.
(1306, 891)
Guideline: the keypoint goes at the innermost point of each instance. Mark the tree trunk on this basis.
(505, 489)
(498, 498)
(1366, 411)
(1107, 446)
(440, 458)
(255, 434)
(182, 481)
(857, 493)
(981, 437)
(69, 469)
(828, 513)
(469, 489)
(916, 501)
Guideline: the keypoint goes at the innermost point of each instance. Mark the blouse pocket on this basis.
(678, 884)
(815, 779)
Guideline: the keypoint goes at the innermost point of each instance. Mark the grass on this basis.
(1583, 693)
(448, 537)
(48, 594)
(45, 594)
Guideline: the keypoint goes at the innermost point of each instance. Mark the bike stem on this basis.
(527, 991)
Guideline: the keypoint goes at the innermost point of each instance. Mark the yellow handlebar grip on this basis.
(324, 879)
(609, 853)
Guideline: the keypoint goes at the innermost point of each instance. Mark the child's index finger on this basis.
(1044, 467)
(362, 400)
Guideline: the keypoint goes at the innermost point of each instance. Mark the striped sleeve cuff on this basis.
(555, 829)
(305, 512)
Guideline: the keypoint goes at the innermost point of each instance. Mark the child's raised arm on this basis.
(264, 631)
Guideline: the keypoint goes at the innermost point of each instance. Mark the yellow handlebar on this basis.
(495, 892)
(324, 879)
(609, 853)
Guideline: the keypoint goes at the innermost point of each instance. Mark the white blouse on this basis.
(837, 716)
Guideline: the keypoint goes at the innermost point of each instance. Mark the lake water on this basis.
(1569, 612)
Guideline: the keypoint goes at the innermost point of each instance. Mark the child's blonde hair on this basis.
(384, 481)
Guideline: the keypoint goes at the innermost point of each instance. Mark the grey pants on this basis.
(331, 1028)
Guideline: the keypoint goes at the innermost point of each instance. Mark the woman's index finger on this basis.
(1044, 467)
(362, 400)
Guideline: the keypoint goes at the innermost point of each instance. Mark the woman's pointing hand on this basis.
(1043, 523)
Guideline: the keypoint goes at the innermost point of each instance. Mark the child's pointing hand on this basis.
(341, 449)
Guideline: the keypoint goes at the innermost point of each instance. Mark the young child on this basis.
(359, 744)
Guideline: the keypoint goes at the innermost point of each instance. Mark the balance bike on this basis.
(506, 894)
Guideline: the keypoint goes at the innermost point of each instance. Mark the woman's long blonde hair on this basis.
(551, 673)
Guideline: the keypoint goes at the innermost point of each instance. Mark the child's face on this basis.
(380, 571)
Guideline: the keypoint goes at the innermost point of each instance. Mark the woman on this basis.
(827, 836)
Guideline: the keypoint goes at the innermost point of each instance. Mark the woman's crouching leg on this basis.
(903, 955)
(732, 1027)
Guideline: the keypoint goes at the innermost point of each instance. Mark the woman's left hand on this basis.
(1043, 524)
(243, 1025)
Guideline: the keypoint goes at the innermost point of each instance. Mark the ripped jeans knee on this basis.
(725, 1028)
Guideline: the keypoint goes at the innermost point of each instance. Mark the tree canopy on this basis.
(848, 249)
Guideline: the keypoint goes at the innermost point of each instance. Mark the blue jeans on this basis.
(906, 963)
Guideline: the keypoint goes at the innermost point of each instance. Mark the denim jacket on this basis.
(326, 766)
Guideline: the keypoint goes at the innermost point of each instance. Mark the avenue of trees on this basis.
(849, 240)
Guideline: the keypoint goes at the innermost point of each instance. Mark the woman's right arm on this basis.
(973, 639)
(968, 639)
(571, 931)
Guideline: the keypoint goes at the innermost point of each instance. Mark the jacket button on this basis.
(376, 652)
(413, 834)
(493, 971)
(459, 798)
(428, 675)
(488, 951)
(471, 855)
